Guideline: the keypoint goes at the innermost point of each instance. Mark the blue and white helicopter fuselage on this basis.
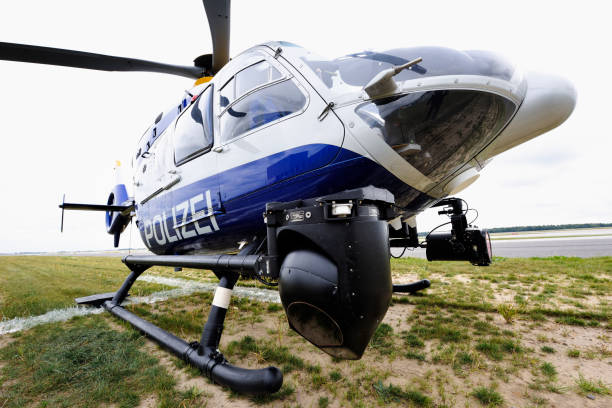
(278, 123)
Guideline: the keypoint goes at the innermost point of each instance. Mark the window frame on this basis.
(206, 149)
(285, 76)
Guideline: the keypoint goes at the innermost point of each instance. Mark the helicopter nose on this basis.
(549, 101)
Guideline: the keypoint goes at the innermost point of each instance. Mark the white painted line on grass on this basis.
(184, 287)
(57, 315)
(264, 295)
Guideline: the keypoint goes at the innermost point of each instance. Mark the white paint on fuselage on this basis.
(341, 127)
(548, 102)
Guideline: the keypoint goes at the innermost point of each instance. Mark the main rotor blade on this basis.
(88, 60)
(218, 13)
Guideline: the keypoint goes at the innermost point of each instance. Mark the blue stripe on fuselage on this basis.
(267, 171)
(247, 188)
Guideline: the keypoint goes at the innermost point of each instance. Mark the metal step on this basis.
(95, 300)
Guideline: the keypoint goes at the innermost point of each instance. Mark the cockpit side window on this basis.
(252, 77)
(265, 105)
(255, 76)
(193, 134)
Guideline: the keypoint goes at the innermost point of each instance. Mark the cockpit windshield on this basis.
(352, 72)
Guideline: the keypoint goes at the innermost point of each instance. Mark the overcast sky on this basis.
(63, 128)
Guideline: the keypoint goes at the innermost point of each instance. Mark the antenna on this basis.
(383, 84)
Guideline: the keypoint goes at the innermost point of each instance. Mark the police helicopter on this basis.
(303, 172)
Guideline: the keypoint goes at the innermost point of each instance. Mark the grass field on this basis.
(520, 333)
(32, 285)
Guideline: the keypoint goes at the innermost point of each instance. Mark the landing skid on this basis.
(203, 354)
(412, 287)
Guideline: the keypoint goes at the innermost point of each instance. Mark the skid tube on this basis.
(203, 354)
(412, 287)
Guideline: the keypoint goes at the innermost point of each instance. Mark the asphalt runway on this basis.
(580, 247)
(583, 247)
(583, 243)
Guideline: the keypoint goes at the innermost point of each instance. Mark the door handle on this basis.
(218, 149)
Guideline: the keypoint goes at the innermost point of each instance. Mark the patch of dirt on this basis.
(442, 383)
(517, 391)
(403, 278)
(595, 362)
(565, 337)
(6, 339)
(561, 338)
(396, 316)
(595, 302)
(235, 331)
(112, 322)
(462, 278)
(440, 278)
(216, 396)
(504, 296)
(8, 383)
(148, 402)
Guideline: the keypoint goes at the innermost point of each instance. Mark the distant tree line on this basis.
(549, 227)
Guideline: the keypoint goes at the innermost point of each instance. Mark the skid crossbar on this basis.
(238, 263)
